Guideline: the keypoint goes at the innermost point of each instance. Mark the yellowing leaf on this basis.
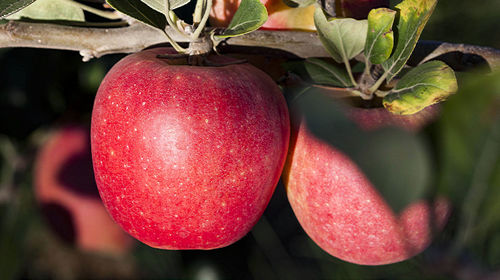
(413, 16)
(423, 86)
(380, 37)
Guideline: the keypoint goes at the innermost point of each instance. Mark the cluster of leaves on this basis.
(159, 14)
(384, 57)
(385, 39)
(250, 15)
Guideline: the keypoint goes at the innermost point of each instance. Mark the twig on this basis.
(96, 42)
(457, 55)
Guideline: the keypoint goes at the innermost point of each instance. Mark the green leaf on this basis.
(159, 5)
(140, 11)
(380, 37)
(251, 15)
(423, 86)
(413, 16)
(343, 38)
(50, 10)
(299, 3)
(322, 72)
(8, 7)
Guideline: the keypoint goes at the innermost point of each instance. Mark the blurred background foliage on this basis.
(43, 89)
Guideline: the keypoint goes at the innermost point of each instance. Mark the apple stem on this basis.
(349, 71)
(208, 62)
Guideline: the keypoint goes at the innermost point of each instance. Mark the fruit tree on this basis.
(246, 139)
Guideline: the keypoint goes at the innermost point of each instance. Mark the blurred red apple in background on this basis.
(280, 16)
(68, 196)
(341, 209)
(187, 157)
(284, 17)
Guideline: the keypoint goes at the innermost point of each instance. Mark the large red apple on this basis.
(187, 157)
(280, 16)
(342, 211)
(67, 193)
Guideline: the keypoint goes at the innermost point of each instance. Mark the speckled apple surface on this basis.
(63, 179)
(187, 157)
(342, 212)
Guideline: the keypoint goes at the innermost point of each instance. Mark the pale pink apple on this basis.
(67, 193)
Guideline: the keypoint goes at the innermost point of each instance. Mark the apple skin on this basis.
(68, 196)
(375, 118)
(187, 157)
(280, 16)
(340, 209)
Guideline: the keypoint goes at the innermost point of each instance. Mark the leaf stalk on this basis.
(206, 13)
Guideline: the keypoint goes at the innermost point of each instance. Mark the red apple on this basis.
(342, 211)
(67, 193)
(280, 16)
(187, 157)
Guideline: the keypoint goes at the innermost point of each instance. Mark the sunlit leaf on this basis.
(50, 10)
(343, 38)
(251, 15)
(413, 15)
(140, 11)
(380, 37)
(8, 7)
(423, 86)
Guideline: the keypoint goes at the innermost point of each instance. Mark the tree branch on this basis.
(95, 42)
